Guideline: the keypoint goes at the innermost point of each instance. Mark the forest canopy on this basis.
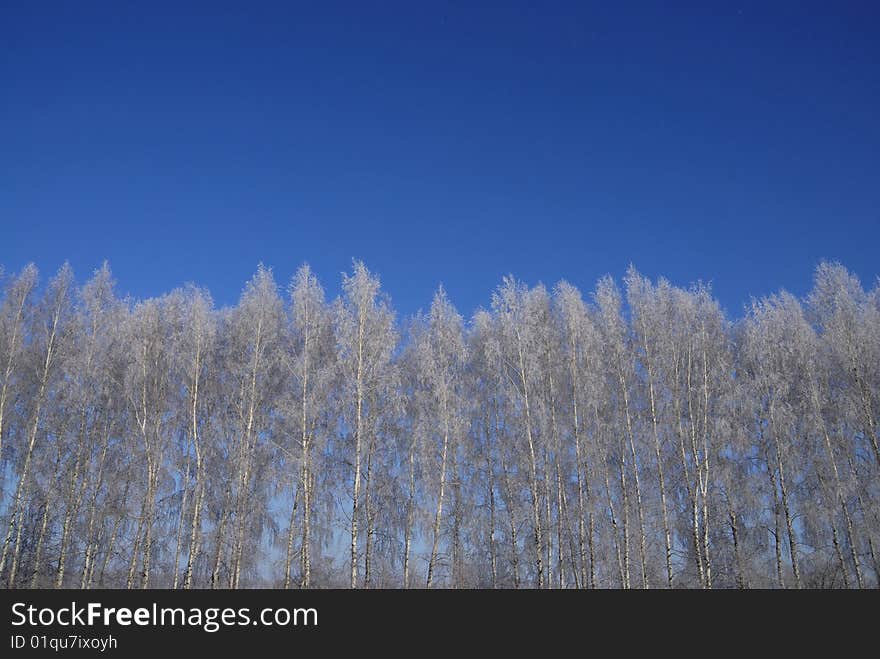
(632, 438)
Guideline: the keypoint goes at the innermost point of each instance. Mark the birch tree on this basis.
(441, 357)
(312, 371)
(365, 338)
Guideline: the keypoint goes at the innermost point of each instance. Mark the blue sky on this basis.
(453, 142)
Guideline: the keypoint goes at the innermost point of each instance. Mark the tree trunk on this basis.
(737, 554)
(180, 519)
(771, 473)
(195, 525)
(410, 509)
(667, 537)
(91, 548)
(290, 534)
(508, 495)
(306, 476)
(358, 437)
(690, 488)
(636, 480)
(533, 467)
(438, 513)
(789, 523)
(369, 514)
(493, 550)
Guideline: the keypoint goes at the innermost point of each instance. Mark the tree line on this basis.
(634, 439)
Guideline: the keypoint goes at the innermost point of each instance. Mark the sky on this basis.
(448, 142)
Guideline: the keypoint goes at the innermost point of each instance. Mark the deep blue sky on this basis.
(454, 142)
